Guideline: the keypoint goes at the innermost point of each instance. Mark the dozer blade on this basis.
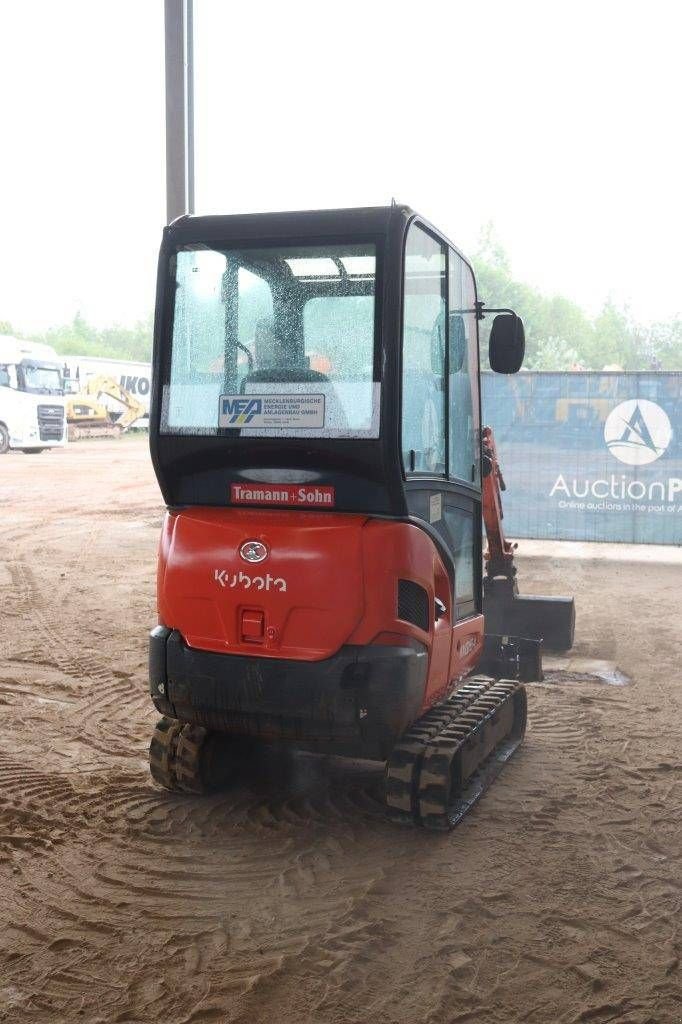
(511, 657)
(508, 613)
(447, 760)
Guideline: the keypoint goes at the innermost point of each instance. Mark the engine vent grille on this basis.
(413, 604)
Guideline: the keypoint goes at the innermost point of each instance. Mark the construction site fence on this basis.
(589, 456)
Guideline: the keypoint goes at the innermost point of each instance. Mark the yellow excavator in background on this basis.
(88, 416)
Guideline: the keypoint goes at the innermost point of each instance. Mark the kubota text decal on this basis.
(242, 579)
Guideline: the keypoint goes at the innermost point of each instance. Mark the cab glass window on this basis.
(424, 340)
(459, 523)
(464, 421)
(274, 341)
(338, 335)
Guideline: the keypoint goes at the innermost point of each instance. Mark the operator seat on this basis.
(284, 375)
(271, 361)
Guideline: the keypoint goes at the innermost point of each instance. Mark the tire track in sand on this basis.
(192, 944)
(105, 697)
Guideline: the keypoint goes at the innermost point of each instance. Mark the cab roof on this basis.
(363, 220)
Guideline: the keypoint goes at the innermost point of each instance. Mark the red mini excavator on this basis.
(315, 429)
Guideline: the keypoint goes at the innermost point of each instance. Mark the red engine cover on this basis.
(308, 590)
(326, 580)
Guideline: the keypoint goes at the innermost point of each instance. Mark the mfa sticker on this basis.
(435, 508)
(271, 412)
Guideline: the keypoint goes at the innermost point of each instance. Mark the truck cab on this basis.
(32, 404)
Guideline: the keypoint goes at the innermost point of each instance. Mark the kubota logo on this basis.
(253, 551)
(637, 431)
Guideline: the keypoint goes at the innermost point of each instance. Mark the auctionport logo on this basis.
(637, 432)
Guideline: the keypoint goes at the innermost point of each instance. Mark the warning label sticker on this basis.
(263, 412)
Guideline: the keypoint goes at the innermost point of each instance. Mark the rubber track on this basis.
(162, 752)
(492, 725)
(175, 756)
(429, 780)
(188, 765)
(404, 765)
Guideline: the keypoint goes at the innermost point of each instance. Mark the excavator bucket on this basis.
(508, 613)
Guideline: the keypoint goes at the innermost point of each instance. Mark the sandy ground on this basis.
(290, 898)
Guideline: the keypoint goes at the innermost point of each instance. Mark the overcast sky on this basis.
(559, 122)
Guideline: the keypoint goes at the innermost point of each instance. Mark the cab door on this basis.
(441, 418)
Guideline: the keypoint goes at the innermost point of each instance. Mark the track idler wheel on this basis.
(189, 758)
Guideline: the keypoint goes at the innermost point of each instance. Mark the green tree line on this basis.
(84, 339)
(559, 334)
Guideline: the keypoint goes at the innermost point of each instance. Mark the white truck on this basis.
(32, 403)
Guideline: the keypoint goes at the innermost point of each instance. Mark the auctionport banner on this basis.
(589, 456)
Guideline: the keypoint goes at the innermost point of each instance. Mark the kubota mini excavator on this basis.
(315, 429)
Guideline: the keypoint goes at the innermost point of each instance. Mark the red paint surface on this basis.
(329, 580)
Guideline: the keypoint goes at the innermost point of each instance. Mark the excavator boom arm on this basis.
(507, 613)
(133, 409)
(499, 557)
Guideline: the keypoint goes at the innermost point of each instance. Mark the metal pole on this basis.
(189, 92)
(179, 46)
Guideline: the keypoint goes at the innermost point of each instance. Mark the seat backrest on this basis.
(284, 375)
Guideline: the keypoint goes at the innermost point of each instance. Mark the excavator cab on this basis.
(316, 432)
